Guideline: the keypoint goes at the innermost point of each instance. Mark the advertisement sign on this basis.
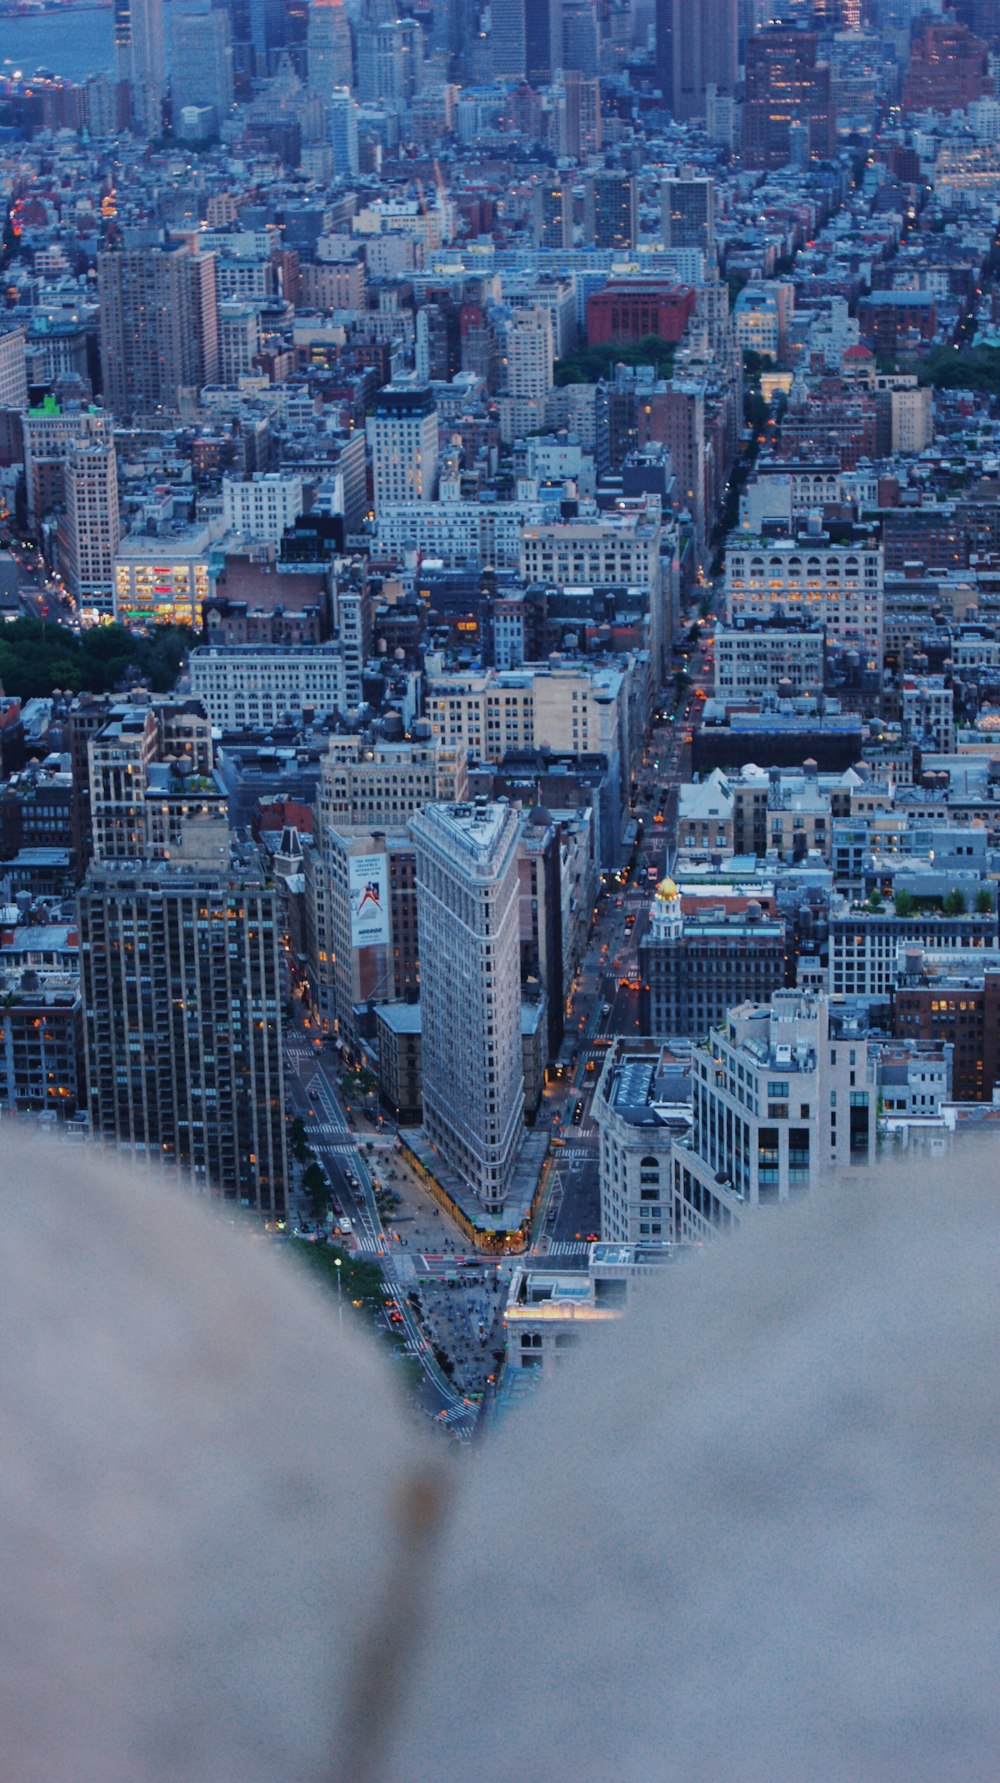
(368, 884)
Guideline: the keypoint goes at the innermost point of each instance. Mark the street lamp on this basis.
(339, 1264)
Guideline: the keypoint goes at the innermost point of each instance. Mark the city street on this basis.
(605, 999)
(355, 1164)
(447, 1302)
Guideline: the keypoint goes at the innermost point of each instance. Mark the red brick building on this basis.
(965, 1013)
(628, 310)
(949, 67)
(893, 322)
(834, 422)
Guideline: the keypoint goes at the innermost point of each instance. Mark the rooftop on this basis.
(474, 827)
(399, 1018)
(647, 1085)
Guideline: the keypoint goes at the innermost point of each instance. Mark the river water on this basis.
(70, 44)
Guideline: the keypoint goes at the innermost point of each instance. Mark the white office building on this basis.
(13, 369)
(780, 1096)
(244, 686)
(752, 660)
(642, 1105)
(457, 532)
(470, 993)
(403, 436)
(566, 708)
(528, 357)
(239, 339)
(342, 116)
(809, 580)
(162, 578)
(263, 507)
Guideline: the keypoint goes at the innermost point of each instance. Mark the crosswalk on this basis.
(567, 1247)
(460, 1413)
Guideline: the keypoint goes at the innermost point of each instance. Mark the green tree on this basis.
(318, 1190)
(905, 903)
(299, 1140)
(37, 656)
(587, 365)
(954, 904)
(756, 412)
(736, 282)
(984, 901)
(965, 368)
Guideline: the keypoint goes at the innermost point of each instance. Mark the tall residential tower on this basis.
(158, 323)
(181, 976)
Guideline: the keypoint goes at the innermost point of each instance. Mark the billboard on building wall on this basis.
(368, 884)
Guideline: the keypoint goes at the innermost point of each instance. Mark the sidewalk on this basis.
(459, 1317)
(418, 1220)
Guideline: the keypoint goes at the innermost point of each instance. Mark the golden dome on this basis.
(667, 891)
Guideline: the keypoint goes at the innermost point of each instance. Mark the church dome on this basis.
(667, 891)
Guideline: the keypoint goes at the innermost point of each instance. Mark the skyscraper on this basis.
(578, 116)
(201, 59)
(140, 60)
(689, 214)
(205, 317)
(530, 357)
(530, 353)
(552, 213)
(403, 435)
(390, 62)
(158, 326)
(507, 40)
(132, 801)
(542, 40)
(696, 48)
(49, 432)
(239, 339)
(786, 86)
(330, 56)
(179, 942)
(611, 209)
(91, 528)
(579, 37)
(258, 35)
(342, 114)
(949, 68)
(13, 369)
(181, 981)
(470, 997)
